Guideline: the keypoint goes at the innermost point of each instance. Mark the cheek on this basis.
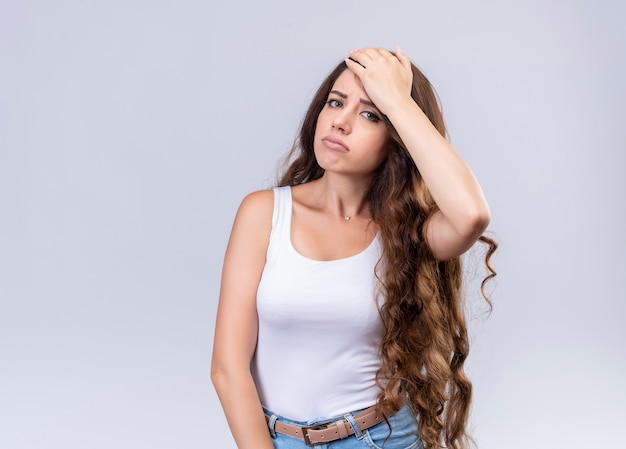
(383, 148)
(320, 126)
(379, 142)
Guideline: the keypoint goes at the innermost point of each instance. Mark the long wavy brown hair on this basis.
(425, 340)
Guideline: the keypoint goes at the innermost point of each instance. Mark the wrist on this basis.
(405, 107)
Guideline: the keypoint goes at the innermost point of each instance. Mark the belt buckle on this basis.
(307, 439)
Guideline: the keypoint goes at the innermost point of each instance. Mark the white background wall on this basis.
(130, 131)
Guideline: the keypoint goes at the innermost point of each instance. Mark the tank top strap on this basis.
(281, 220)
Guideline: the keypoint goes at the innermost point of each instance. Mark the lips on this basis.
(335, 144)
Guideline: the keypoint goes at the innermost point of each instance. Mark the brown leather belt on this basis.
(325, 433)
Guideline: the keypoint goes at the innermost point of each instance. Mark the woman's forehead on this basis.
(350, 84)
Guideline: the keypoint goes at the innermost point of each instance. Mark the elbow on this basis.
(476, 222)
(218, 376)
(450, 238)
(224, 375)
(482, 219)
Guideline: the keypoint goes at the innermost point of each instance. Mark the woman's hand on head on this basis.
(387, 78)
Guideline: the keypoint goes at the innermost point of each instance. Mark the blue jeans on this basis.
(401, 433)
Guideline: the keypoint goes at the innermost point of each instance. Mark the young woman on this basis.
(340, 322)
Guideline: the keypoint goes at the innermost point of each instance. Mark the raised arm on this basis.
(463, 211)
(236, 326)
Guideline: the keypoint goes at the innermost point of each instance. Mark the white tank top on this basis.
(319, 327)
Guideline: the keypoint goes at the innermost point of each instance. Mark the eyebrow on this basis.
(363, 101)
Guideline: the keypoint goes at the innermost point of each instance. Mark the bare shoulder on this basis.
(259, 204)
(254, 217)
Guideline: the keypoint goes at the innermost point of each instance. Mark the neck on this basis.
(342, 197)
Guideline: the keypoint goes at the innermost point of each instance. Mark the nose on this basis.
(342, 121)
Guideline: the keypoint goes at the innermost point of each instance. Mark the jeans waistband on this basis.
(338, 428)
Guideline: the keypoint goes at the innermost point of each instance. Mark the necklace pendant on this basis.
(346, 217)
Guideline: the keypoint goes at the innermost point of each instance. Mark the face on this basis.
(350, 135)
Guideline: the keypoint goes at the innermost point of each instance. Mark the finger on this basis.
(367, 56)
(404, 60)
(378, 53)
(364, 55)
(383, 52)
(356, 67)
(351, 59)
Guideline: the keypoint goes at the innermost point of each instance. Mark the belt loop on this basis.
(357, 430)
(271, 424)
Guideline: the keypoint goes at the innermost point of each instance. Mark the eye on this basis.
(334, 103)
(371, 116)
